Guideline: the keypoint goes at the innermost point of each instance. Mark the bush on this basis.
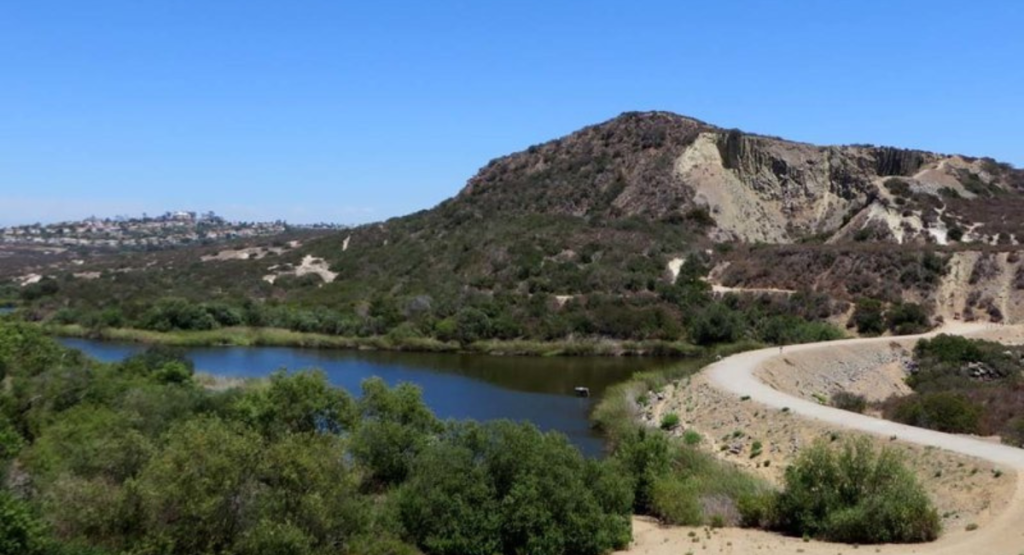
(844, 400)
(691, 438)
(907, 319)
(20, 532)
(644, 456)
(396, 426)
(758, 510)
(943, 411)
(949, 349)
(508, 488)
(177, 314)
(851, 495)
(670, 421)
(675, 500)
(868, 317)
(716, 324)
(1013, 434)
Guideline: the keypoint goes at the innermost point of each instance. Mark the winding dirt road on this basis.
(1003, 536)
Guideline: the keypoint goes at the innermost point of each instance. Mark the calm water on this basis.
(480, 387)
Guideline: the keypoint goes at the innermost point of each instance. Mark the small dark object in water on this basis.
(582, 392)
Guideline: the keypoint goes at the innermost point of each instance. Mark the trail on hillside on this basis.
(737, 375)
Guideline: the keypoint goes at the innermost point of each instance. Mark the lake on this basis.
(459, 386)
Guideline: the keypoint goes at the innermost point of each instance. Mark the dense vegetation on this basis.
(964, 386)
(673, 480)
(137, 458)
(853, 494)
(437, 312)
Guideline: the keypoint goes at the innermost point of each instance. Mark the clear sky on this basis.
(353, 111)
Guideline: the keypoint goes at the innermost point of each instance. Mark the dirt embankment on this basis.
(877, 372)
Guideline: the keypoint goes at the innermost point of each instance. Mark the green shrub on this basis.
(1013, 434)
(758, 510)
(844, 400)
(943, 411)
(676, 500)
(852, 495)
(20, 532)
(691, 438)
(507, 488)
(868, 317)
(907, 318)
(644, 456)
(670, 421)
(716, 324)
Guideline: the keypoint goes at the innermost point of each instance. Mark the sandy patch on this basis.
(252, 253)
(310, 265)
(29, 279)
(721, 290)
(87, 275)
(674, 267)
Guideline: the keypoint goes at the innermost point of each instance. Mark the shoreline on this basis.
(276, 337)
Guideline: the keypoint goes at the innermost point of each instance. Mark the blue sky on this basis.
(357, 111)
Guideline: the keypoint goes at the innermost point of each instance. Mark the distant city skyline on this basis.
(351, 112)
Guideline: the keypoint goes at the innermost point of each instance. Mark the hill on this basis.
(618, 230)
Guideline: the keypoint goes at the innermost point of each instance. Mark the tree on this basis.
(196, 493)
(20, 532)
(303, 402)
(395, 427)
(502, 487)
(448, 506)
(472, 325)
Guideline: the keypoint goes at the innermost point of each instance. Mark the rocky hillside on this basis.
(659, 165)
(588, 235)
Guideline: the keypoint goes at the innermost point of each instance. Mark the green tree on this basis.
(197, 492)
(302, 402)
(20, 532)
(502, 487)
(395, 427)
(309, 492)
(472, 325)
(448, 506)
